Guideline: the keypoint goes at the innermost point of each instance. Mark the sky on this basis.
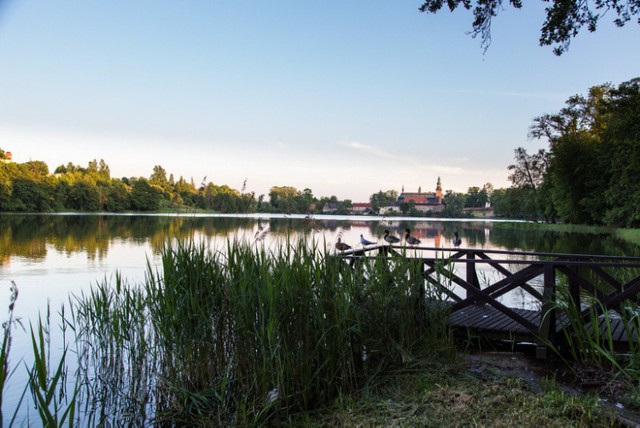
(345, 98)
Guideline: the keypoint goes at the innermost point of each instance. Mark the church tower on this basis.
(439, 190)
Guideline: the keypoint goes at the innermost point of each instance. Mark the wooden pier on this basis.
(588, 286)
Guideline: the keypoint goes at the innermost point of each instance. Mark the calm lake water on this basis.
(54, 257)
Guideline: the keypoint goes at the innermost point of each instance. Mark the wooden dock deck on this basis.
(586, 285)
(487, 322)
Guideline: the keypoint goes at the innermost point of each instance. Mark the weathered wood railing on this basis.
(585, 275)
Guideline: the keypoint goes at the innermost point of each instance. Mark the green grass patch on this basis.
(629, 235)
(446, 394)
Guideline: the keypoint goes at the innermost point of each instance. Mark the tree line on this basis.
(590, 174)
(29, 187)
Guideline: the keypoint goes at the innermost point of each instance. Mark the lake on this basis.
(54, 257)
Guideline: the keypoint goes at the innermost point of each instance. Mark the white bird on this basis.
(390, 239)
(410, 239)
(341, 246)
(364, 242)
(456, 239)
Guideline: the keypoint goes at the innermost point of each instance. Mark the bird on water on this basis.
(411, 240)
(341, 246)
(456, 239)
(390, 238)
(364, 241)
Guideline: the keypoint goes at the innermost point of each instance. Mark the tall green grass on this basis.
(5, 350)
(587, 337)
(247, 336)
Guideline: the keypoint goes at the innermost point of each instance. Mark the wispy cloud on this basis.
(374, 151)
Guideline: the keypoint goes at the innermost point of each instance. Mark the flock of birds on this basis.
(410, 240)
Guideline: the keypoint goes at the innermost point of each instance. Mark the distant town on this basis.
(32, 187)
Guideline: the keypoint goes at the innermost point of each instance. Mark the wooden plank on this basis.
(608, 278)
(508, 274)
(488, 318)
(498, 288)
(532, 316)
(501, 323)
(467, 315)
(475, 316)
(441, 287)
(446, 262)
(481, 295)
(619, 333)
(480, 317)
(631, 289)
(516, 279)
(582, 282)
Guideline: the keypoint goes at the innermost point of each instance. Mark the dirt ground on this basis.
(536, 373)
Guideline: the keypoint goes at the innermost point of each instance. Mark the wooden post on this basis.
(574, 289)
(548, 315)
(472, 275)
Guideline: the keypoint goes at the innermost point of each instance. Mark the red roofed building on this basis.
(423, 201)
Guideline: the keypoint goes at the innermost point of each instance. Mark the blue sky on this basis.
(343, 97)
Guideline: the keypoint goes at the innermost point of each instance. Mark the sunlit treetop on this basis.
(565, 18)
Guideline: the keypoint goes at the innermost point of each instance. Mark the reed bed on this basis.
(247, 336)
(587, 338)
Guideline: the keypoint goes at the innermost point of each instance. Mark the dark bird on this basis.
(410, 239)
(456, 239)
(341, 246)
(390, 239)
(364, 242)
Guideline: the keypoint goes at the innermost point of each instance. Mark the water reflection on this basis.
(32, 236)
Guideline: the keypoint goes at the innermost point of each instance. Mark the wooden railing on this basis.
(599, 277)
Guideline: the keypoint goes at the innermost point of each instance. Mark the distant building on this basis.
(330, 207)
(422, 201)
(7, 157)
(361, 208)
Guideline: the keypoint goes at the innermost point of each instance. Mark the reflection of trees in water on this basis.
(305, 227)
(561, 242)
(29, 235)
(19, 237)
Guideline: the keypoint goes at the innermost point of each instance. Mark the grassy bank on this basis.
(435, 394)
(630, 235)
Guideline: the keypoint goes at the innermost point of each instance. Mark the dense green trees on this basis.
(382, 199)
(290, 200)
(28, 187)
(454, 204)
(477, 197)
(591, 172)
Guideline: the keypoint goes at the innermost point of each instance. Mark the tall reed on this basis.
(5, 351)
(247, 336)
